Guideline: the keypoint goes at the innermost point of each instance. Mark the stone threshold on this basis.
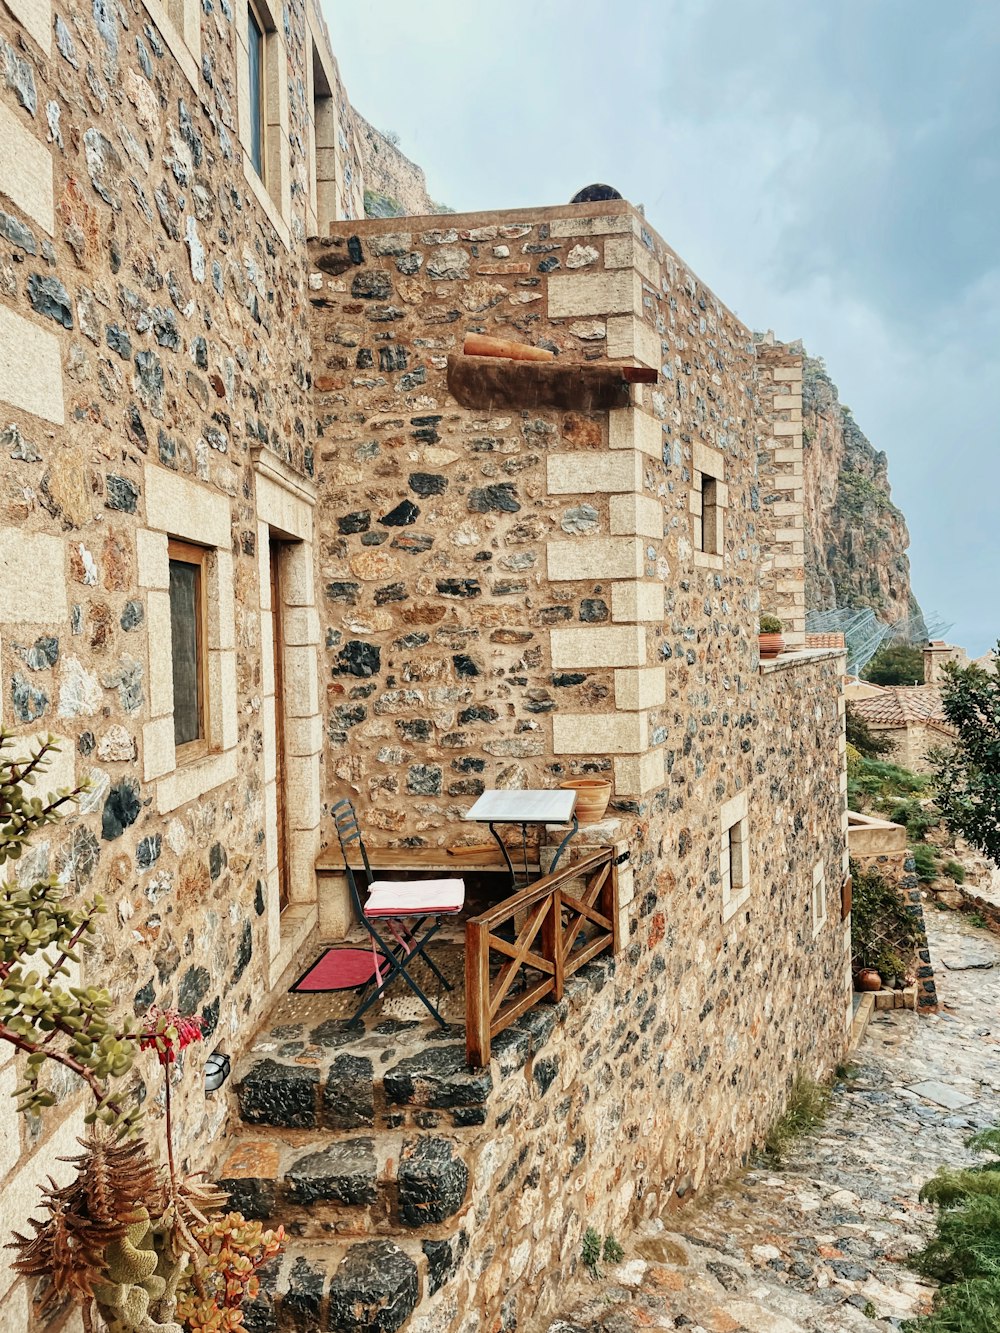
(859, 1025)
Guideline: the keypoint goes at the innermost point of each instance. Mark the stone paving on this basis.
(820, 1244)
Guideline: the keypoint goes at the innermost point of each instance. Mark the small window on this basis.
(734, 868)
(818, 904)
(255, 52)
(188, 642)
(705, 514)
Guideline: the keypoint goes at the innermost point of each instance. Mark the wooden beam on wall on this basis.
(490, 382)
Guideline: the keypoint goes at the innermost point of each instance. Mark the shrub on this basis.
(964, 1254)
(925, 859)
(954, 870)
(770, 625)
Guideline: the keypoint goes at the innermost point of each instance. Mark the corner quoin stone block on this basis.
(598, 558)
(30, 365)
(629, 428)
(26, 170)
(599, 733)
(636, 515)
(623, 646)
(635, 775)
(32, 574)
(613, 293)
(594, 472)
(637, 601)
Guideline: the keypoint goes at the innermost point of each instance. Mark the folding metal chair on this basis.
(397, 903)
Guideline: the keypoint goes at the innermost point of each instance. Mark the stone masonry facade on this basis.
(513, 597)
(408, 602)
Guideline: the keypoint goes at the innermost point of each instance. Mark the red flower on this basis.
(169, 1033)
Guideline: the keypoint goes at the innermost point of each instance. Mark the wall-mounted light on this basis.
(217, 1068)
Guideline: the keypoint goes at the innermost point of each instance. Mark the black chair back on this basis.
(345, 822)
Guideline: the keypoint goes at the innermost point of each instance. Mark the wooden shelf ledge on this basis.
(489, 382)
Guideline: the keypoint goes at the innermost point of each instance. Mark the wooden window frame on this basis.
(256, 19)
(188, 553)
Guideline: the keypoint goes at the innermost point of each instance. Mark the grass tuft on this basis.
(806, 1108)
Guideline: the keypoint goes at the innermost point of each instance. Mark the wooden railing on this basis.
(556, 927)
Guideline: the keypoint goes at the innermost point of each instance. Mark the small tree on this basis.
(967, 774)
(860, 735)
(896, 664)
(125, 1238)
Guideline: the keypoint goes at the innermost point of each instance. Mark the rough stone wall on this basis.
(781, 495)
(649, 1085)
(152, 331)
(512, 596)
(389, 173)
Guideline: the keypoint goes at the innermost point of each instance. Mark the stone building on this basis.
(255, 554)
(911, 717)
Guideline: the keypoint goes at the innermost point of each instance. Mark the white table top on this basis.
(523, 807)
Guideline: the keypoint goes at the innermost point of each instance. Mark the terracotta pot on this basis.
(592, 797)
(868, 979)
(771, 646)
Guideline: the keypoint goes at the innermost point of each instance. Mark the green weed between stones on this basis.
(806, 1108)
(964, 1254)
(593, 1250)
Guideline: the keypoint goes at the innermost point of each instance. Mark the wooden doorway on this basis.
(276, 552)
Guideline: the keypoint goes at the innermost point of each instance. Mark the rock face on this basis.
(856, 538)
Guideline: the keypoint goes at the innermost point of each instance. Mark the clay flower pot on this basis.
(868, 979)
(771, 646)
(592, 797)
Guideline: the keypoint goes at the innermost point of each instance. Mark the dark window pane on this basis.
(255, 41)
(185, 597)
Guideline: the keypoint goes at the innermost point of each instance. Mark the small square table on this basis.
(524, 808)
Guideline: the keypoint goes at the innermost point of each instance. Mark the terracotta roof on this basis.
(904, 705)
(825, 640)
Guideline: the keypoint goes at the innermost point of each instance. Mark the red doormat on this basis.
(337, 969)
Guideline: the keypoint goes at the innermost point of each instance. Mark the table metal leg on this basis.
(506, 856)
(562, 846)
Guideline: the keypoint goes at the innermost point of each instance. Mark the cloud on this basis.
(831, 171)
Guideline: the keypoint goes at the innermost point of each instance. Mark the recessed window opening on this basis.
(709, 524)
(189, 647)
(255, 54)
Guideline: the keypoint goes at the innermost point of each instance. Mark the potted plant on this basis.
(772, 645)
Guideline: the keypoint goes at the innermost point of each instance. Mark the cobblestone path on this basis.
(820, 1244)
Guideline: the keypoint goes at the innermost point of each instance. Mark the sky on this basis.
(830, 168)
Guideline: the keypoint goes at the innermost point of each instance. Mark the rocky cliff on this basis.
(856, 538)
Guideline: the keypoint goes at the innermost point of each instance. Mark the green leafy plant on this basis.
(613, 1252)
(964, 1253)
(883, 934)
(978, 920)
(591, 1252)
(770, 625)
(955, 871)
(124, 1238)
(967, 774)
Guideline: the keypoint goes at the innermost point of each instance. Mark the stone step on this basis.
(320, 1184)
(348, 1288)
(336, 1078)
